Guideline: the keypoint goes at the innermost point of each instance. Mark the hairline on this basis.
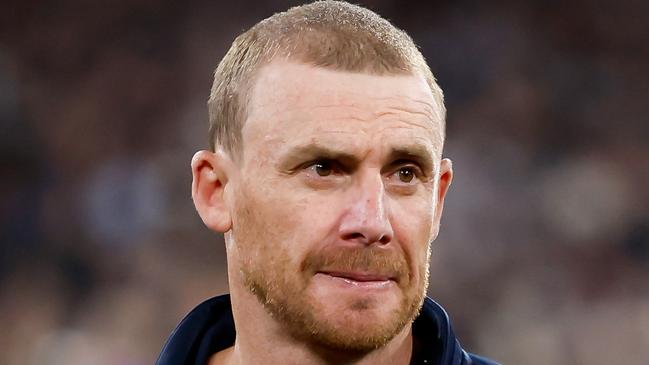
(295, 36)
(249, 81)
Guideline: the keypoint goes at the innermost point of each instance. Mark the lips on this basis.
(359, 276)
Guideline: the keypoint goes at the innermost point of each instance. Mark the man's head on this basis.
(331, 185)
(328, 34)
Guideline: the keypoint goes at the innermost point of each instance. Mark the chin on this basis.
(358, 325)
(360, 335)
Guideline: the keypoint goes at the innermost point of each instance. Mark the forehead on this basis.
(290, 101)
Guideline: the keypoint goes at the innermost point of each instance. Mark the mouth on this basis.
(359, 279)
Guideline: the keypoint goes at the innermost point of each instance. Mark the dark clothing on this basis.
(209, 328)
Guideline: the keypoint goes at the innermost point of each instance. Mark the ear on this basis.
(445, 179)
(210, 172)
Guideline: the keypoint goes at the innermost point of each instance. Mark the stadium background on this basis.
(543, 256)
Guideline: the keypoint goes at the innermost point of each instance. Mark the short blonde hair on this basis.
(330, 34)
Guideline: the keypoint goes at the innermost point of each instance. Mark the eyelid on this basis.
(399, 164)
(336, 166)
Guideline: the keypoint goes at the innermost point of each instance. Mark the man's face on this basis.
(337, 201)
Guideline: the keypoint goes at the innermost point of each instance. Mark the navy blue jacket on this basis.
(209, 328)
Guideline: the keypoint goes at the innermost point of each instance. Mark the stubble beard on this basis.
(282, 286)
(288, 301)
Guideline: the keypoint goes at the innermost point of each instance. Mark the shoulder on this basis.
(439, 343)
(207, 329)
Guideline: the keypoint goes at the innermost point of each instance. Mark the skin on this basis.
(328, 215)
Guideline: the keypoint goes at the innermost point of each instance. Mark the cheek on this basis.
(260, 219)
(274, 219)
(412, 222)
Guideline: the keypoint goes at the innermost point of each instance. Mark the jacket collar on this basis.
(209, 328)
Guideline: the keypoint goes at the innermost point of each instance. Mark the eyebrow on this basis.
(415, 152)
(314, 150)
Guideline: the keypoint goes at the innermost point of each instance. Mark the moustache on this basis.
(378, 261)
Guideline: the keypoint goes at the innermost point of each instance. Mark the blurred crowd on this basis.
(543, 256)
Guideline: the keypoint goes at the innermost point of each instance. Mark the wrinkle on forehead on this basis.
(287, 81)
(357, 105)
(328, 113)
(358, 144)
(296, 101)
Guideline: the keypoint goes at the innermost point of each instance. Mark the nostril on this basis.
(385, 239)
(355, 236)
(367, 239)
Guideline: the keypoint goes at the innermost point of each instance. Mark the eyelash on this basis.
(336, 169)
(332, 165)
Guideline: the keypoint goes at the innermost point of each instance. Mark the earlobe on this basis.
(210, 172)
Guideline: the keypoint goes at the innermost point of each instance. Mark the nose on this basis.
(366, 221)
